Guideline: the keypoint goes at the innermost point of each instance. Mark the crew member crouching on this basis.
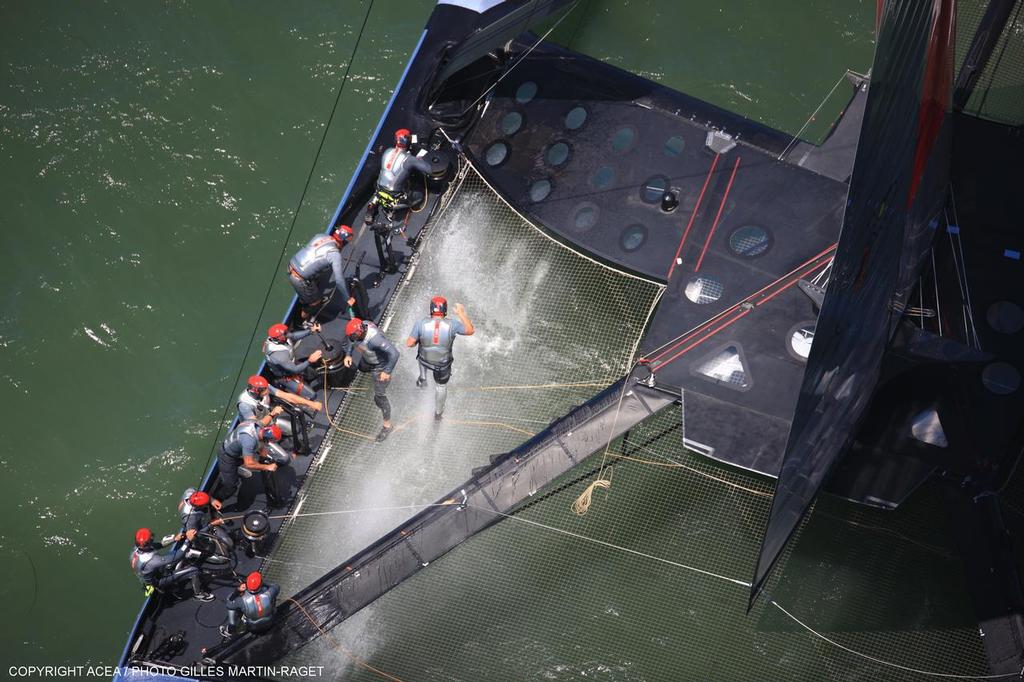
(248, 448)
(287, 373)
(254, 404)
(317, 268)
(378, 356)
(253, 608)
(435, 336)
(163, 572)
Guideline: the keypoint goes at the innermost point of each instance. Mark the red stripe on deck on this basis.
(718, 216)
(693, 215)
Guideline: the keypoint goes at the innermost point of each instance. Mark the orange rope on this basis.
(339, 647)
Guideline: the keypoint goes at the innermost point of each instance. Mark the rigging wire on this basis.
(287, 240)
(811, 117)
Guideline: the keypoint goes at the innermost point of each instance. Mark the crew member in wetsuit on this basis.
(286, 372)
(194, 507)
(379, 357)
(254, 404)
(247, 446)
(253, 608)
(435, 336)
(161, 571)
(318, 267)
(394, 193)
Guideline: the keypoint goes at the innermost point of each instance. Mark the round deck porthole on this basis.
(526, 92)
(799, 339)
(576, 117)
(624, 138)
(674, 145)
(703, 289)
(557, 154)
(1001, 378)
(603, 178)
(653, 189)
(633, 237)
(1005, 317)
(496, 153)
(540, 190)
(584, 217)
(511, 123)
(749, 241)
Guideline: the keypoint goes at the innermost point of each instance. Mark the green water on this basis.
(151, 159)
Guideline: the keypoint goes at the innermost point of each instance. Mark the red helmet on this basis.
(253, 581)
(143, 537)
(278, 332)
(342, 235)
(258, 385)
(438, 306)
(355, 330)
(199, 499)
(402, 138)
(271, 433)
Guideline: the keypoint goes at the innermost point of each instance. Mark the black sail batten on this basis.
(470, 508)
(897, 189)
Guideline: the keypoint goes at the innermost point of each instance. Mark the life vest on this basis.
(232, 446)
(140, 564)
(394, 171)
(270, 347)
(437, 337)
(260, 408)
(312, 258)
(370, 356)
(257, 607)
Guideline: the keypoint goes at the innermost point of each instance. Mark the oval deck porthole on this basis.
(674, 145)
(653, 189)
(603, 178)
(557, 154)
(633, 237)
(703, 289)
(496, 153)
(576, 117)
(799, 340)
(526, 91)
(540, 190)
(623, 138)
(584, 217)
(511, 123)
(1005, 317)
(749, 241)
(1001, 378)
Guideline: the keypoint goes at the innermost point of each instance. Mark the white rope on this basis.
(880, 661)
(811, 117)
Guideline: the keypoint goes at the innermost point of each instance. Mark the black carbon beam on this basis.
(470, 508)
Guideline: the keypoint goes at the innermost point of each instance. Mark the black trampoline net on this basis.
(999, 93)
(649, 585)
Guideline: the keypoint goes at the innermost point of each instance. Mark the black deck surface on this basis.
(636, 134)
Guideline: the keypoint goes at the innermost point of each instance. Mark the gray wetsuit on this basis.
(255, 609)
(158, 570)
(243, 442)
(396, 165)
(435, 337)
(316, 268)
(288, 373)
(378, 355)
(252, 409)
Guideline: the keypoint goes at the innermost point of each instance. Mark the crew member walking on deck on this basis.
(379, 357)
(254, 404)
(288, 374)
(318, 267)
(248, 447)
(253, 608)
(162, 571)
(435, 336)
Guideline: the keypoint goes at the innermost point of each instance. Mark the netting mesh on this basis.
(553, 328)
(999, 93)
(647, 586)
